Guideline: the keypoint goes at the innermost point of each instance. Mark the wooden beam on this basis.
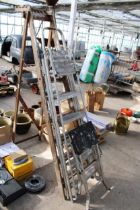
(126, 5)
(22, 2)
(7, 10)
(122, 22)
(13, 2)
(94, 20)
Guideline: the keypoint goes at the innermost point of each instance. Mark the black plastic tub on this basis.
(23, 123)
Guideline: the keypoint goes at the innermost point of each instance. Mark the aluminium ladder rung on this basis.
(64, 69)
(72, 163)
(63, 66)
(65, 96)
(70, 155)
(74, 175)
(73, 116)
(61, 60)
(60, 53)
(68, 95)
(90, 170)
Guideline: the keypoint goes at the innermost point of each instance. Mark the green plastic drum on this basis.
(90, 64)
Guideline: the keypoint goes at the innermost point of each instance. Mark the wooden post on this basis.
(55, 33)
(20, 71)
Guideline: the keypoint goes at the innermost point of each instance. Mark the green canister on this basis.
(90, 64)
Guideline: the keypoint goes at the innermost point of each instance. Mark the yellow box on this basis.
(19, 171)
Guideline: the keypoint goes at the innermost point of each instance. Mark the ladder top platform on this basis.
(48, 10)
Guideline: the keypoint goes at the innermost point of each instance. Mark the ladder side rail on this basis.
(55, 34)
(20, 71)
(60, 32)
(81, 93)
(97, 152)
(73, 87)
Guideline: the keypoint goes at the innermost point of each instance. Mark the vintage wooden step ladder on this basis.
(30, 14)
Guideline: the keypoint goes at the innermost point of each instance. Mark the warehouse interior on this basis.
(69, 104)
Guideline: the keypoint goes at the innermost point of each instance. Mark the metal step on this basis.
(58, 54)
(63, 65)
(65, 96)
(90, 170)
(61, 60)
(68, 95)
(67, 118)
(70, 155)
(64, 69)
(72, 163)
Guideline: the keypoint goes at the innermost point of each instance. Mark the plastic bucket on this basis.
(1, 112)
(104, 67)
(121, 124)
(5, 130)
(9, 114)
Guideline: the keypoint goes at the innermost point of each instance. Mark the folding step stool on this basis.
(87, 154)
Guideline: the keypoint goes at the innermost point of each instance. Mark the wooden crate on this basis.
(99, 100)
(90, 100)
(94, 100)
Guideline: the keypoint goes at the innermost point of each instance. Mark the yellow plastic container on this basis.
(19, 171)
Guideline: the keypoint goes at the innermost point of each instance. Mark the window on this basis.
(14, 43)
(4, 18)
(28, 43)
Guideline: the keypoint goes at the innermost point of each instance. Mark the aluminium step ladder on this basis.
(55, 65)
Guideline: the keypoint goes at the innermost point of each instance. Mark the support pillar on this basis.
(71, 26)
(103, 33)
(122, 39)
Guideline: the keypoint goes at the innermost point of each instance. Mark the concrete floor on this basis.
(121, 163)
